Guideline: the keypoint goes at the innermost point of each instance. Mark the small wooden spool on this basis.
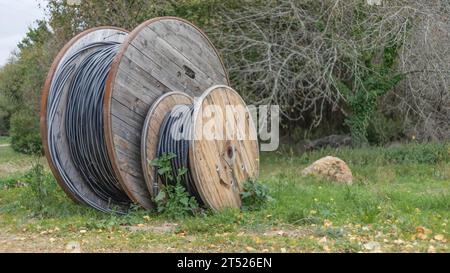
(219, 165)
(150, 133)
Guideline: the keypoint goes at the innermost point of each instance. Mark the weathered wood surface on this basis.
(150, 133)
(221, 165)
(161, 55)
(83, 191)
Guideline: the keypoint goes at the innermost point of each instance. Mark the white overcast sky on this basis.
(15, 18)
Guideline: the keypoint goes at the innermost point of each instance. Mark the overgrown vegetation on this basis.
(399, 202)
(20, 83)
(173, 200)
(254, 195)
(378, 78)
(334, 65)
(379, 73)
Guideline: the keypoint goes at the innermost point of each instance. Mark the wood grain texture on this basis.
(83, 191)
(150, 133)
(161, 55)
(222, 163)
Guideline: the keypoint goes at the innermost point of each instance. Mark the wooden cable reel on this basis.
(221, 159)
(150, 134)
(161, 55)
(80, 192)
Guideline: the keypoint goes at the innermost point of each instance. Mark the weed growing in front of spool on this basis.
(173, 200)
(42, 197)
(255, 195)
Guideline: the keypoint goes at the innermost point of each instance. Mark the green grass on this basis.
(4, 140)
(400, 199)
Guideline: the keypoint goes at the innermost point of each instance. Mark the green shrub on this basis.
(255, 195)
(25, 136)
(173, 200)
(42, 196)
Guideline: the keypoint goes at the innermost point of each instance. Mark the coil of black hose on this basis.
(84, 121)
(174, 138)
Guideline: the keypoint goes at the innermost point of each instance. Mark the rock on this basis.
(373, 246)
(332, 168)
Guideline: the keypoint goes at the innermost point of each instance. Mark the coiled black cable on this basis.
(174, 138)
(84, 121)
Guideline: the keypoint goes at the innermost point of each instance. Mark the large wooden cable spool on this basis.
(222, 157)
(161, 55)
(82, 193)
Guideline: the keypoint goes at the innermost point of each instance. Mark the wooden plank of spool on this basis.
(150, 133)
(84, 192)
(221, 163)
(161, 55)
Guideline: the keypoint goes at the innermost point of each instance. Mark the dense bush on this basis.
(317, 59)
(345, 63)
(255, 195)
(21, 81)
(173, 200)
(25, 136)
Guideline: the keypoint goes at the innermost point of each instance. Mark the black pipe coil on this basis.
(178, 122)
(84, 122)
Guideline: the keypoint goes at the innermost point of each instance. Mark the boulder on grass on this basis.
(332, 168)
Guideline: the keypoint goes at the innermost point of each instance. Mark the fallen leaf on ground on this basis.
(323, 240)
(249, 248)
(439, 237)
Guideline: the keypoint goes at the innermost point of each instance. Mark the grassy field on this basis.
(400, 202)
(4, 140)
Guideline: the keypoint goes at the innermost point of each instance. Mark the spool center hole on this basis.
(230, 152)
